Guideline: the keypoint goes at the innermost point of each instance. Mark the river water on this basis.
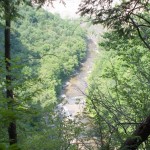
(74, 90)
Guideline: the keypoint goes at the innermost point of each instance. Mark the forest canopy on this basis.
(118, 94)
(45, 51)
(39, 51)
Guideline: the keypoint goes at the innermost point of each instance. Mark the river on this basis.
(74, 89)
(73, 92)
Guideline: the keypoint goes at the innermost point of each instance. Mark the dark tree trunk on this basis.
(9, 91)
(139, 136)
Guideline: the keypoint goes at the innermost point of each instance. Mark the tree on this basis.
(119, 91)
(125, 16)
(9, 91)
(9, 11)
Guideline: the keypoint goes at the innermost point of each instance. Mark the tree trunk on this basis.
(9, 92)
(139, 136)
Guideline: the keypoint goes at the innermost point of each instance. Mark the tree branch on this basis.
(139, 33)
(138, 137)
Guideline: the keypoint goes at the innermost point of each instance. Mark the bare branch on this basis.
(139, 33)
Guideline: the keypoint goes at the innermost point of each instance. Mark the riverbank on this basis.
(74, 90)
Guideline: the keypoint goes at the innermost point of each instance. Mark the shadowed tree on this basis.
(9, 11)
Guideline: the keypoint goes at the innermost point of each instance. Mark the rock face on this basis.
(66, 11)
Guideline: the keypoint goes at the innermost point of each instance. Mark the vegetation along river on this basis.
(74, 90)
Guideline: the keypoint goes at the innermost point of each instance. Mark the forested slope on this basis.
(118, 94)
(45, 52)
(49, 46)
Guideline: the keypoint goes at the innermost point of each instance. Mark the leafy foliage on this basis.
(125, 16)
(118, 95)
(45, 52)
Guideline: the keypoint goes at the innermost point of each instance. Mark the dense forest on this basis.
(46, 50)
(40, 51)
(118, 95)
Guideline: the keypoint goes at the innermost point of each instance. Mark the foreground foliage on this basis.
(118, 95)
